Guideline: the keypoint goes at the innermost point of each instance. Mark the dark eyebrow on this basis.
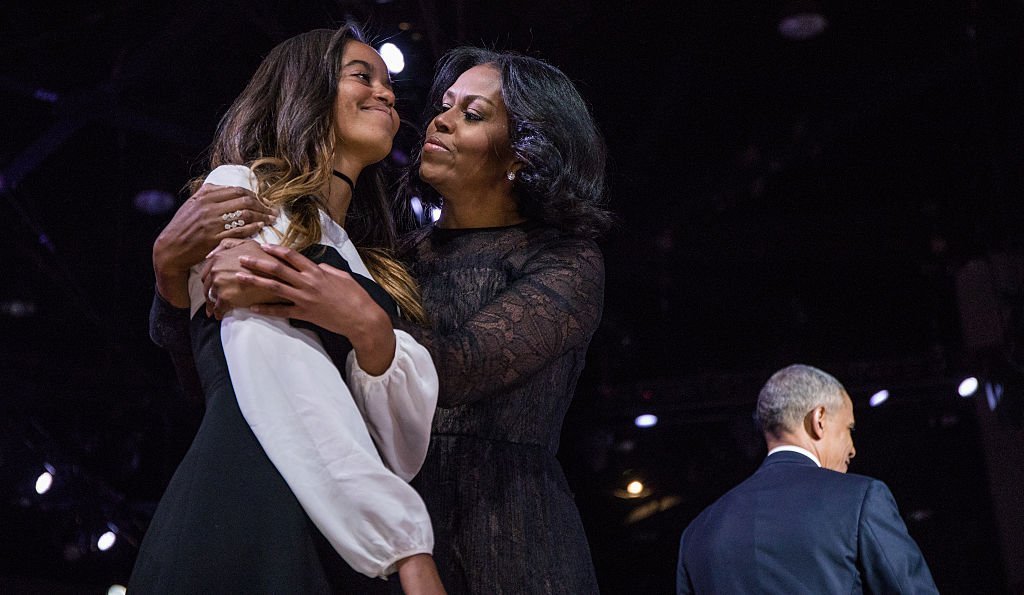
(471, 98)
(363, 63)
(367, 66)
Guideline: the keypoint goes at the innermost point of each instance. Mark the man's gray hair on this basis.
(792, 392)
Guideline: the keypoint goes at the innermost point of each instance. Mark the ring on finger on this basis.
(234, 224)
(231, 216)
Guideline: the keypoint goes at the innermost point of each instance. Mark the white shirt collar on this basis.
(792, 448)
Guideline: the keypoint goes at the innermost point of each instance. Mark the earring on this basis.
(511, 176)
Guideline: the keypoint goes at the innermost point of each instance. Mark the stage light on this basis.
(631, 485)
(117, 590)
(17, 308)
(392, 57)
(44, 482)
(646, 420)
(994, 394)
(801, 19)
(106, 541)
(417, 207)
(154, 202)
(878, 398)
(968, 386)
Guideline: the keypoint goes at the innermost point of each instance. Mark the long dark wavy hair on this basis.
(282, 126)
(551, 131)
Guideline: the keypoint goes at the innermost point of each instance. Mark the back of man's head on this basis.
(793, 391)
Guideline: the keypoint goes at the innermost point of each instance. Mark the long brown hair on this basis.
(282, 127)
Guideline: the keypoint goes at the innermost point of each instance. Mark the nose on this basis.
(853, 451)
(442, 122)
(385, 96)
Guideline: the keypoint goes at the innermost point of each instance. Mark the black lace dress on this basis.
(512, 310)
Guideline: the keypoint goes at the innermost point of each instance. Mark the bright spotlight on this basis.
(878, 398)
(117, 590)
(106, 541)
(968, 386)
(44, 482)
(392, 57)
(646, 420)
(635, 487)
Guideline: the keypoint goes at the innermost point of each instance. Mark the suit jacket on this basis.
(793, 527)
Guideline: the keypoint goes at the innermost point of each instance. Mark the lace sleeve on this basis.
(168, 326)
(169, 329)
(554, 307)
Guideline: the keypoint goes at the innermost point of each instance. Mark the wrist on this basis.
(172, 284)
(374, 342)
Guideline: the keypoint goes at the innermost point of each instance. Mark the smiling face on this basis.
(836, 448)
(467, 144)
(365, 120)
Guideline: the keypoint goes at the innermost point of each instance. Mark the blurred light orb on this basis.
(154, 202)
(44, 482)
(646, 420)
(635, 487)
(878, 398)
(106, 541)
(17, 308)
(417, 207)
(802, 25)
(117, 590)
(968, 386)
(392, 57)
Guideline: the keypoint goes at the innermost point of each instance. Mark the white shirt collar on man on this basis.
(792, 448)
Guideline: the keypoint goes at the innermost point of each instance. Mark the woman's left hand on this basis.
(326, 297)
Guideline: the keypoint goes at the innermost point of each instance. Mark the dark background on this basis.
(778, 201)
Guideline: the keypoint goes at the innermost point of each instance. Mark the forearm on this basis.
(374, 342)
(171, 280)
(173, 288)
(418, 575)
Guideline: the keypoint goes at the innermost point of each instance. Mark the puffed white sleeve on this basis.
(399, 404)
(301, 411)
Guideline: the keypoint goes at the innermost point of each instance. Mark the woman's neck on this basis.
(338, 192)
(487, 211)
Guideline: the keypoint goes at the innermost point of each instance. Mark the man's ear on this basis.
(814, 422)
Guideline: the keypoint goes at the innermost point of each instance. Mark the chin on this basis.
(426, 175)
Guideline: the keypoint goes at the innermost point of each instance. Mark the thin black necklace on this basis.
(345, 179)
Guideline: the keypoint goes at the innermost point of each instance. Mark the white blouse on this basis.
(321, 434)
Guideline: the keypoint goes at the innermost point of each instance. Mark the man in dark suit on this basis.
(800, 524)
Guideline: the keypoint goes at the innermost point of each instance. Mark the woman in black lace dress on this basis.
(512, 282)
